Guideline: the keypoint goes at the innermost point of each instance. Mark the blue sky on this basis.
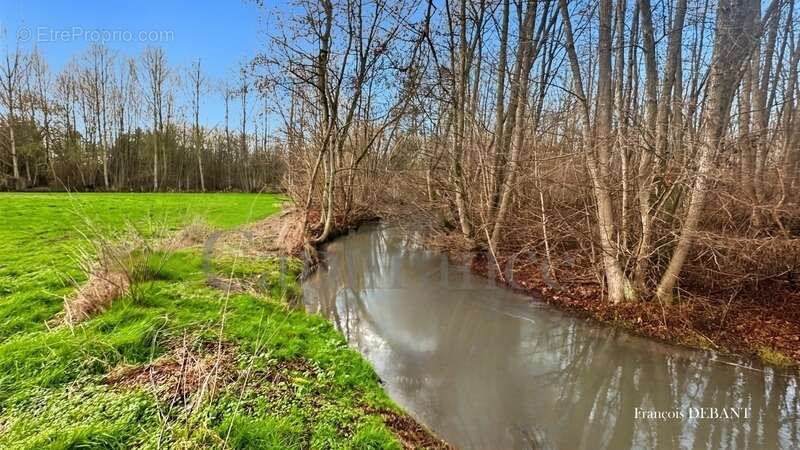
(222, 33)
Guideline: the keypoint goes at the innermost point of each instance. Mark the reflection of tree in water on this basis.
(600, 386)
(486, 376)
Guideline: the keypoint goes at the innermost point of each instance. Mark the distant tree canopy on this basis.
(105, 122)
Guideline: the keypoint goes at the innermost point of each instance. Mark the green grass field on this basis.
(175, 363)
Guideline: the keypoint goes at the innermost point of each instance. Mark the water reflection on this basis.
(488, 369)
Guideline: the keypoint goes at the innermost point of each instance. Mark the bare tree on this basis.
(155, 66)
(12, 73)
(198, 82)
(736, 35)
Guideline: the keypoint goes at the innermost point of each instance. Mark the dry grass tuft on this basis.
(184, 376)
(278, 234)
(117, 262)
(95, 296)
(113, 264)
(195, 233)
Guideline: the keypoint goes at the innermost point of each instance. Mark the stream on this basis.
(486, 368)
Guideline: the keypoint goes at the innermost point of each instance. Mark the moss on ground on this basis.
(177, 362)
(773, 356)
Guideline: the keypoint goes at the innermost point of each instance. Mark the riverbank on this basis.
(487, 368)
(196, 349)
(763, 324)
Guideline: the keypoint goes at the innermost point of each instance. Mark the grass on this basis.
(273, 377)
(40, 235)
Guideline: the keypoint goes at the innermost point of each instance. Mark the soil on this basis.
(410, 433)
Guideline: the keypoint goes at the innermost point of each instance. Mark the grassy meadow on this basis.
(175, 363)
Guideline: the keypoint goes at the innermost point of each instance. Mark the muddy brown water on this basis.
(486, 368)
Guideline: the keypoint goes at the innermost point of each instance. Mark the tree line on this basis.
(652, 143)
(110, 122)
(657, 142)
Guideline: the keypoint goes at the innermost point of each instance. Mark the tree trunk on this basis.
(525, 62)
(500, 117)
(735, 38)
(617, 284)
(644, 176)
(14, 158)
(155, 162)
